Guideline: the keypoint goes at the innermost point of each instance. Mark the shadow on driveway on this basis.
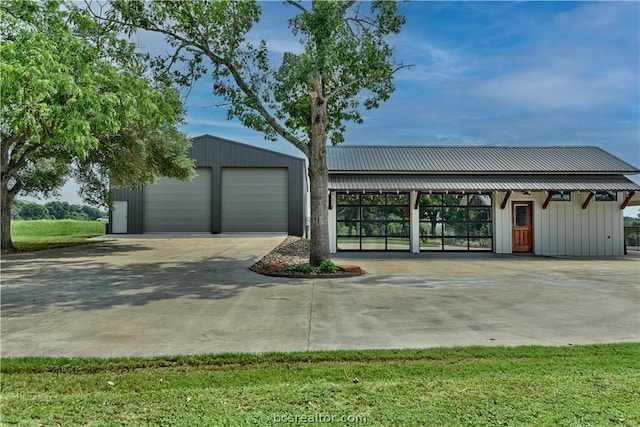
(82, 278)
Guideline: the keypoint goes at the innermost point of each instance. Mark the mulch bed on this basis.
(295, 250)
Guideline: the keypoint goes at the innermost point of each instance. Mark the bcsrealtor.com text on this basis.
(318, 418)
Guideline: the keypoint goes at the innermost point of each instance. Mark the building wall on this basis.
(564, 228)
(218, 153)
(135, 202)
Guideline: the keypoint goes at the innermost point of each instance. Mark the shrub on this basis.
(328, 266)
(302, 268)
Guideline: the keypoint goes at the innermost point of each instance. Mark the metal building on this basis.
(238, 188)
(552, 201)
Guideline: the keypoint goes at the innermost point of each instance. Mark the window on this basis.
(561, 197)
(606, 196)
(455, 222)
(372, 221)
(522, 215)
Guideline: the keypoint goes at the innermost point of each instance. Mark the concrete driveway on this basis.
(158, 295)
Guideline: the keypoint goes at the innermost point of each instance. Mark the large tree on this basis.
(76, 101)
(345, 61)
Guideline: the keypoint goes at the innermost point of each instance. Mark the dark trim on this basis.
(548, 200)
(627, 200)
(585, 205)
(505, 200)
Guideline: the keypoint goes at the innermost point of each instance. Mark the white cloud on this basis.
(429, 62)
(193, 121)
(556, 88)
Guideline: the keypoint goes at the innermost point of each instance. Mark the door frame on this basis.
(120, 217)
(528, 229)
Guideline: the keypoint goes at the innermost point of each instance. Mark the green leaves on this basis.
(350, 52)
(346, 63)
(74, 95)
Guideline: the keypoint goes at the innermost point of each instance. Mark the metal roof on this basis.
(476, 159)
(480, 183)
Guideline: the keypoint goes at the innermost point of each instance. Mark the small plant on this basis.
(302, 268)
(328, 266)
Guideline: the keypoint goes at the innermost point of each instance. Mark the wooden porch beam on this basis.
(586, 202)
(505, 200)
(549, 196)
(627, 200)
(416, 205)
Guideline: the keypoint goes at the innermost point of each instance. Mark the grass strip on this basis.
(578, 385)
(43, 234)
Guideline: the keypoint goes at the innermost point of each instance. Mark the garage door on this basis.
(254, 200)
(177, 206)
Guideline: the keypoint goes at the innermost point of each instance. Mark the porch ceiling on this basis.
(481, 183)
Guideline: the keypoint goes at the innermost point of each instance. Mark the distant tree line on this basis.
(632, 222)
(21, 209)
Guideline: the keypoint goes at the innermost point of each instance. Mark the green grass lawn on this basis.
(48, 234)
(541, 386)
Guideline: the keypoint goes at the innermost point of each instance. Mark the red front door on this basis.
(521, 227)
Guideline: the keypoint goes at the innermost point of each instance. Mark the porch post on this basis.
(333, 246)
(414, 222)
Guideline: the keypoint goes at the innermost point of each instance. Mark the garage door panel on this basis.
(249, 205)
(255, 199)
(177, 206)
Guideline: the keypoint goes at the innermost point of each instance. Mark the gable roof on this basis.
(474, 159)
(210, 139)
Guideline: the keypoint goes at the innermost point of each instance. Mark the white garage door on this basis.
(177, 206)
(255, 200)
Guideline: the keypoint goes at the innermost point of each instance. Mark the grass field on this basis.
(542, 386)
(47, 234)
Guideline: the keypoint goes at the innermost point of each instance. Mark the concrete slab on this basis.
(169, 294)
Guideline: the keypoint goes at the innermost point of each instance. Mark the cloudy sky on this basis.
(523, 73)
(497, 73)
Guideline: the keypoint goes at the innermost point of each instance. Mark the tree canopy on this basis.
(76, 100)
(345, 62)
(27, 210)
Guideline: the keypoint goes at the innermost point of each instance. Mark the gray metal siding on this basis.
(255, 200)
(171, 205)
(218, 153)
(221, 153)
(135, 197)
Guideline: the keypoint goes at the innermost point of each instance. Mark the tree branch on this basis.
(296, 4)
(259, 107)
(237, 77)
(364, 79)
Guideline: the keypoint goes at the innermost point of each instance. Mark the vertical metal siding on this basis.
(564, 228)
(135, 197)
(210, 151)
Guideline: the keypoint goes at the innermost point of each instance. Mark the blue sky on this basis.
(484, 73)
(500, 73)
(487, 73)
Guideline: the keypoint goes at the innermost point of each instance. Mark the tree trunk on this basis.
(318, 183)
(318, 174)
(5, 214)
